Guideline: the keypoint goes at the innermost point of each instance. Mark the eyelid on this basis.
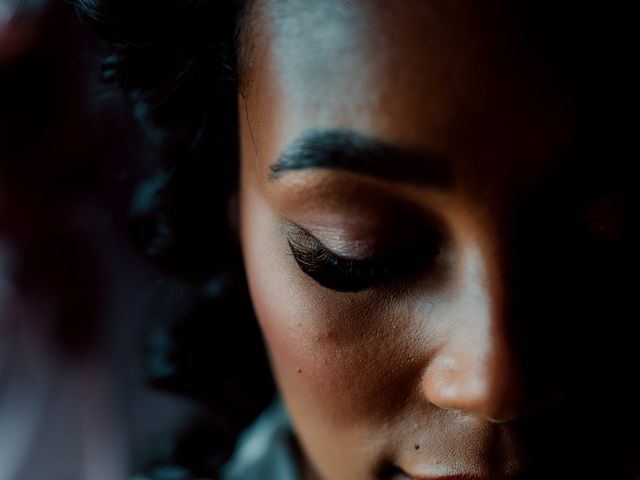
(307, 240)
(330, 270)
(344, 274)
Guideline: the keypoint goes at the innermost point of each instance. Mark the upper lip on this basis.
(458, 476)
(450, 477)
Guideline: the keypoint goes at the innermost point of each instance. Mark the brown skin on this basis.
(474, 364)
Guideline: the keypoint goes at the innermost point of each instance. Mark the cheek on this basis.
(348, 357)
(345, 365)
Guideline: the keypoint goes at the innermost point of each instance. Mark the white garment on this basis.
(265, 450)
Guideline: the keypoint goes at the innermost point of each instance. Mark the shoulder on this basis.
(265, 450)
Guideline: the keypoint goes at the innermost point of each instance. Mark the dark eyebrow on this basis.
(354, 152)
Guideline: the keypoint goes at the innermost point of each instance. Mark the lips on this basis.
(402, 475)
(448, 477)
(396, 473)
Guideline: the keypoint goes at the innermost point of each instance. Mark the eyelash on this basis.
(342, 274)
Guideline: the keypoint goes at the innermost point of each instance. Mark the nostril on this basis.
(476, 387)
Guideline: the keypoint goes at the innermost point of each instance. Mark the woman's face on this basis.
(435, 226)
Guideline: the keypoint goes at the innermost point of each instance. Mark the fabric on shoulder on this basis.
(265, 451)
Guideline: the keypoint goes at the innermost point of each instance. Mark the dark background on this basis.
(78, 306)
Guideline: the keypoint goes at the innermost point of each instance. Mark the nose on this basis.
(476, 368)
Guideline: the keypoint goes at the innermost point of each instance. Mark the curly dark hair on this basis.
(176, 62)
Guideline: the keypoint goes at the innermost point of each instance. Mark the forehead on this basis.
(455, 76)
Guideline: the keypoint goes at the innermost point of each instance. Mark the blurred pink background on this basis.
(76, 302)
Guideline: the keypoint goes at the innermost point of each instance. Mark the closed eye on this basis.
(343, 274)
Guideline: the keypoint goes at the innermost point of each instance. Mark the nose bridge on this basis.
(477, 369)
